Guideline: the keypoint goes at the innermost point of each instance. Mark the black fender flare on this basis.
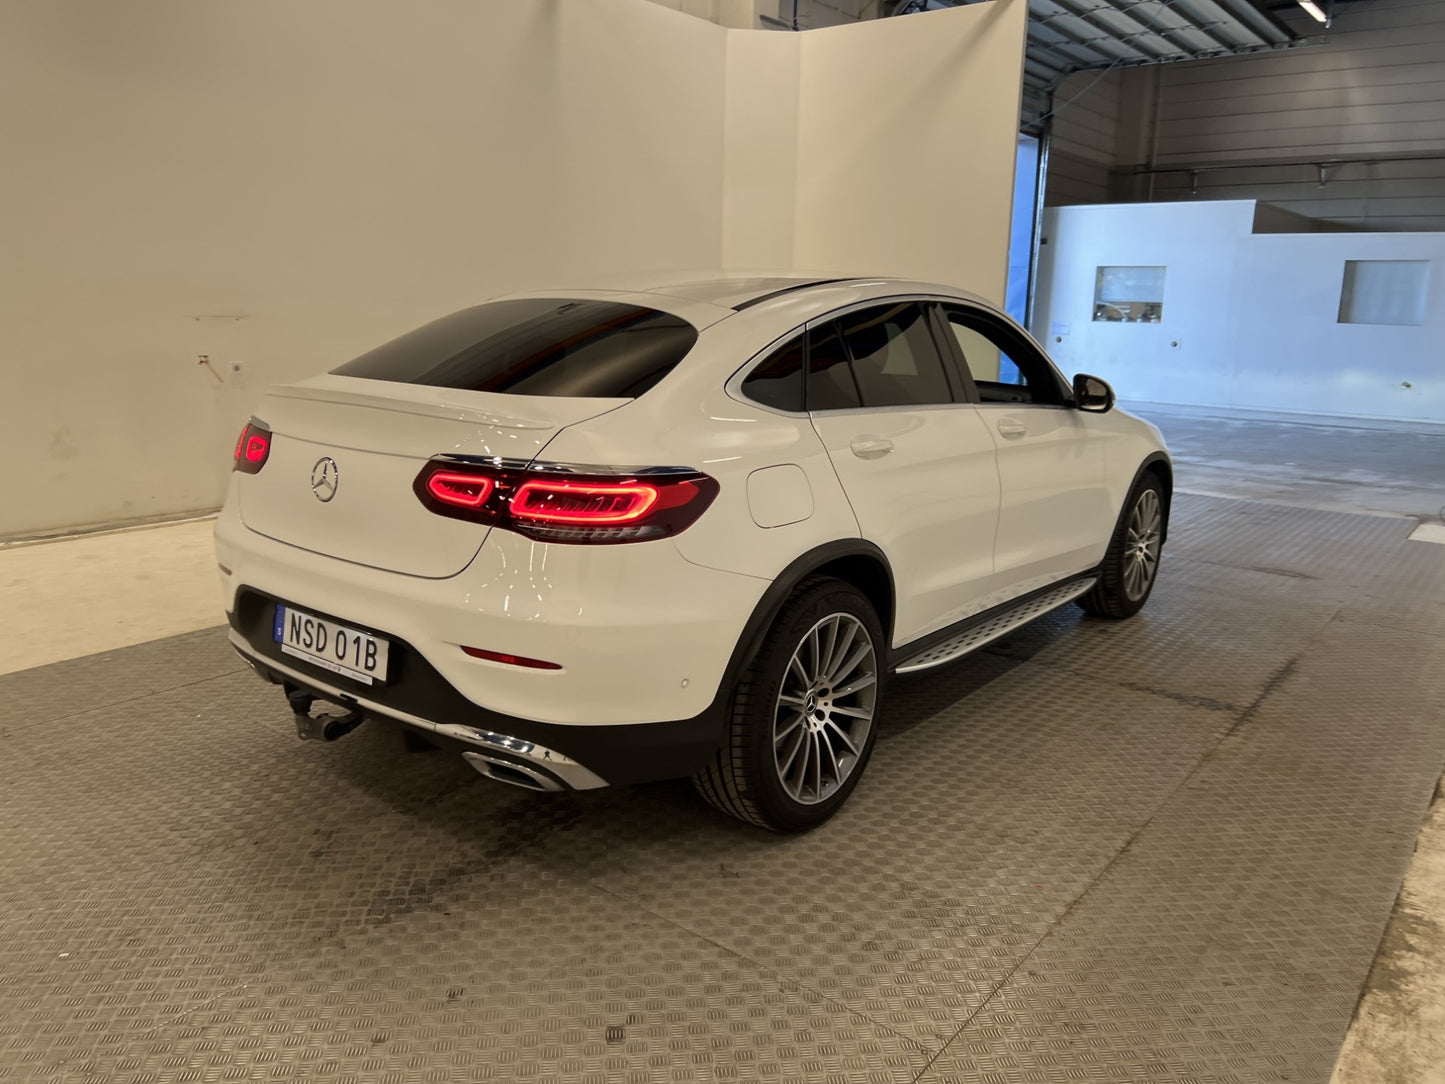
(1149, 461)
(782, 588)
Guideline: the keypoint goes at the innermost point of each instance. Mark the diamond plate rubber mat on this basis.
(1154, 850)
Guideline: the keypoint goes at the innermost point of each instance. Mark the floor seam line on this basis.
(1270, 687)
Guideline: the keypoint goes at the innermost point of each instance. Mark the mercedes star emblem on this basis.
(324, 478)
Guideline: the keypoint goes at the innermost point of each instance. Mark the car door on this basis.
(1055, 515)
(914, 458)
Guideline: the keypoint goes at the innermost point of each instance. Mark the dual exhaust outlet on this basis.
(333, 727)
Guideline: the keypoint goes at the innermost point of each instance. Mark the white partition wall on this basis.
(907, 140)
(277, 186)
(1272, 321)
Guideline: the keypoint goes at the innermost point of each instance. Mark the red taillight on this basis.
(571, 503)
(510, 660)
(550, 505)
(252, 448)
(461, 490)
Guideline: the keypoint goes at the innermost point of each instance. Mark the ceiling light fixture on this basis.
(1316, 12)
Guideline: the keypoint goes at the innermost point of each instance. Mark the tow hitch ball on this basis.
(319, 727)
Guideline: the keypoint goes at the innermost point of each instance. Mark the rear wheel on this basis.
(1131, 563)
(804, 713)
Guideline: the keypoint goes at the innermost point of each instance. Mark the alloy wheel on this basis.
(1141, 545)
(824, 709)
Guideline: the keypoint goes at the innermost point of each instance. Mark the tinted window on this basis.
(778, 381)
(895, 359)
(593, 349)
(830, 375)
(1005, 369)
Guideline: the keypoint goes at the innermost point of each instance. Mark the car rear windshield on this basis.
(536, 346)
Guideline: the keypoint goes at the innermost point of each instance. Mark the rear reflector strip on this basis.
(510, 660)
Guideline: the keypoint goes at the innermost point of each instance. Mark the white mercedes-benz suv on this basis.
(596, 537)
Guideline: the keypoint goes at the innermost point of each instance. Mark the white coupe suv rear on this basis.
(691, 529)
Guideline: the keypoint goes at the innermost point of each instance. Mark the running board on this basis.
(995, 625)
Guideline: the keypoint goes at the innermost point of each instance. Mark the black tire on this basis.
(1119, 594)
(745, 779)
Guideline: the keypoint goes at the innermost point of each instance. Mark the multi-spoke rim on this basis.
(825, 708)
(1141, 547)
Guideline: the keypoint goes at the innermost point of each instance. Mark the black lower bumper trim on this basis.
(619, 753)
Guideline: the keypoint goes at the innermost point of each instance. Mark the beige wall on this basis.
(907, 136)
(279, 186)
(761, 136)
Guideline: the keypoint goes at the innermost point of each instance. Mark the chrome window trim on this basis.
(733, 386)
(1065, 384)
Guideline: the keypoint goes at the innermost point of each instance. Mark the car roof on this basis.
(741, 293)
(773, 302)
(738, 290)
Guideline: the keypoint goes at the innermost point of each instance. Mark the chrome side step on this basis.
(1000, 624)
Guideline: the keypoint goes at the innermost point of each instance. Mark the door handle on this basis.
(866, 447)
(1012, 427)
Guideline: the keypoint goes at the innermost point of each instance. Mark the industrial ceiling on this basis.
(1066, 36)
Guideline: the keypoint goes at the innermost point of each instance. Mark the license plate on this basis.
(342, 650)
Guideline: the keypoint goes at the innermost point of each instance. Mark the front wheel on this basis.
(1131, 563)
(805, 713)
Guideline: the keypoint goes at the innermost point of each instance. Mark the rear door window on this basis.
(536, 346)
(830, 371)
(895, 358)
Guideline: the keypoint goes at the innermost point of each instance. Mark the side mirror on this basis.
(1093, 394)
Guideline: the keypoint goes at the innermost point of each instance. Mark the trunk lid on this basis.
(378, 435)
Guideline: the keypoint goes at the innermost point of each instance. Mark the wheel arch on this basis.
(1159, 465)
(855, 561)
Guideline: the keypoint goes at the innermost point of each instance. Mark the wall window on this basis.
(1384, 292)
(1129, 295)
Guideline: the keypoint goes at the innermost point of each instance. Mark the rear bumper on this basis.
(641, 635)
(573, 757)
(647, 642)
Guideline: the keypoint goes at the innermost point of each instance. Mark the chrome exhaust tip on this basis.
(506, 771)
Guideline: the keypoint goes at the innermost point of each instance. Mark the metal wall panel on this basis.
(1085, 125)
(1375, 89)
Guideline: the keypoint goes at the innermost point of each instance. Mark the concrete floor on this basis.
(1333, 464)
(1349, 465)
(1219, 700)
(104, 591)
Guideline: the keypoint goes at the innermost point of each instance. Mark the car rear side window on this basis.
(536, 346)
(778, 381)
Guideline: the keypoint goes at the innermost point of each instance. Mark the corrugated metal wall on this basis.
(1081, 151)
(1375, 90)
